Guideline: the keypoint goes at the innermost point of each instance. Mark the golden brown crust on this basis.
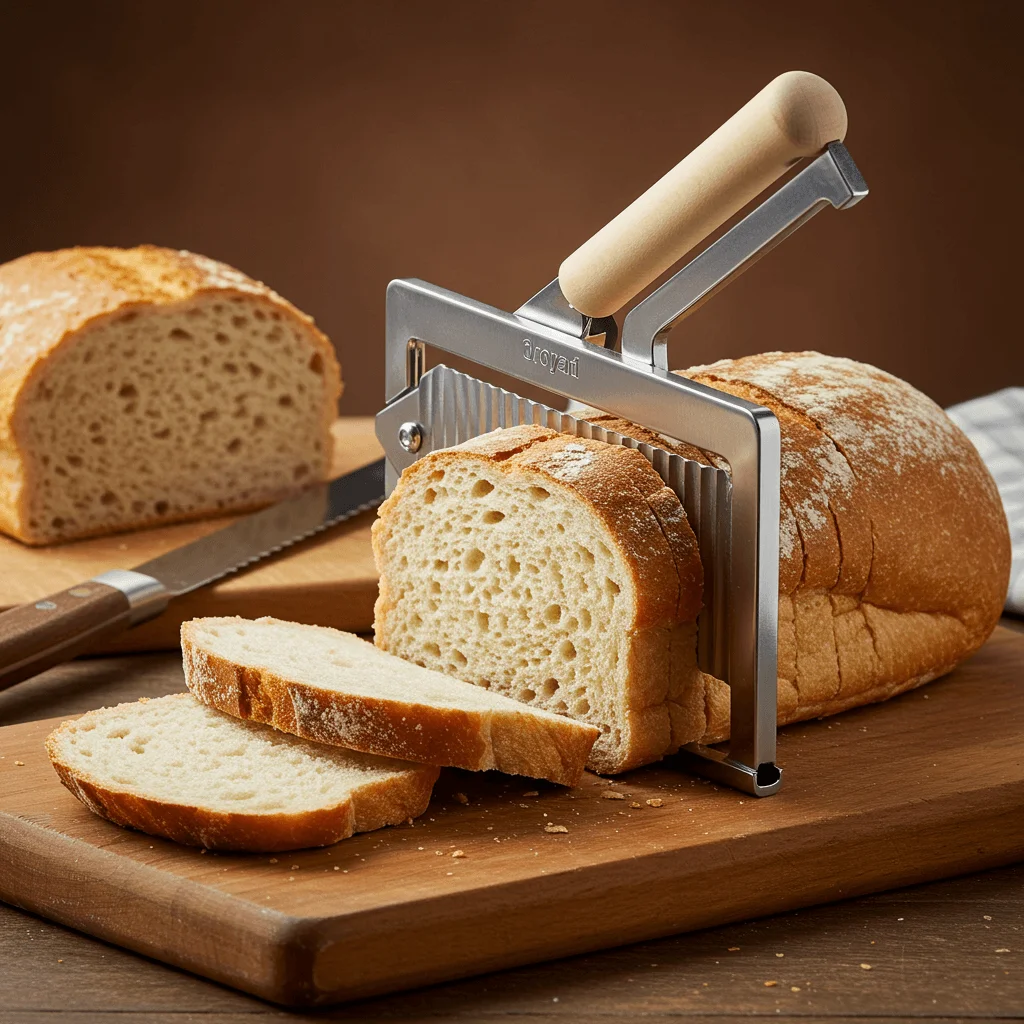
(476, 740)
(645, 521)
(388, 802)
(894, 546)
(47, 298)
(194, 826)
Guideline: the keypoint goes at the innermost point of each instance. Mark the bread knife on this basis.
(54, 629)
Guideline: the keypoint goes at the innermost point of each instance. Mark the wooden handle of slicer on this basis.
(796, 115)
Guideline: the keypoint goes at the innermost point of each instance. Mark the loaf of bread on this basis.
(144, 386)
(894, 547)
(894, 560)
(173, 767)
(326, 685)
(556, 570)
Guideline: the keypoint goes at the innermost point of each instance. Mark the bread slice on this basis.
(146, 386)
(332, 687)
(173, 767)
(557, 570)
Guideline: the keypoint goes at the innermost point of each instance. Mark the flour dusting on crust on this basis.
(569, 463)
(870, 415)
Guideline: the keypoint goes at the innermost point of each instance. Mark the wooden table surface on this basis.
(944, 951)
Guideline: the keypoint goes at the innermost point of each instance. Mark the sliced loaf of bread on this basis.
(557, 570)
(332, 687)
(146, 386)
(176, 768)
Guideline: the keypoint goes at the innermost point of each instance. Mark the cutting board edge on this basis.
(307, 961)
(21, 843)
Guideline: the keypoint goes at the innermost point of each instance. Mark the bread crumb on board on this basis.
(462, 798)
(655, 801)
(770, 984)
(458, 853)
(610, 794)
(550, 827)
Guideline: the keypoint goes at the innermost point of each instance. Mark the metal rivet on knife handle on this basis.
(36, 636)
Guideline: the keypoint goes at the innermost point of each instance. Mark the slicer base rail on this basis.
(764, 780)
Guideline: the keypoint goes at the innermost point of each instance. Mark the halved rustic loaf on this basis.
(556, 570)
(173, 767)
(332, 687)
(142, 386)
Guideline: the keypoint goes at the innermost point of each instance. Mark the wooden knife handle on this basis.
(33, 637)
(796, 115)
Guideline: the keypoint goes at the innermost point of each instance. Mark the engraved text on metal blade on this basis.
(262, 533)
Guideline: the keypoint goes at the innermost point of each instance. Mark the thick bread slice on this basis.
(557, 570)
(332, 687)
(145, 386)
(173, 767)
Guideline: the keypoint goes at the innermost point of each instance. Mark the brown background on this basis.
(327, 147)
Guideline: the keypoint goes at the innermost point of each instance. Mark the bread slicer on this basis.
(563, 340)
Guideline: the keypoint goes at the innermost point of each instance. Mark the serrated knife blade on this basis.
(34, 637)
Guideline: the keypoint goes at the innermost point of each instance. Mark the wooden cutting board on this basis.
(329, 580)
(928, 785)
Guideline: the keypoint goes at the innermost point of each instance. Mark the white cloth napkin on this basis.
(995, 423)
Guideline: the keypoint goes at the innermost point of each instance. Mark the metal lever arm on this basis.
(831, 179)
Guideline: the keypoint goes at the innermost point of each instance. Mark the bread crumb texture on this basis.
(144, 386)
(555, 570)
(894, 548)
(174, 767)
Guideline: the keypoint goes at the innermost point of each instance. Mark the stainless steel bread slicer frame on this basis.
(735, 514)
